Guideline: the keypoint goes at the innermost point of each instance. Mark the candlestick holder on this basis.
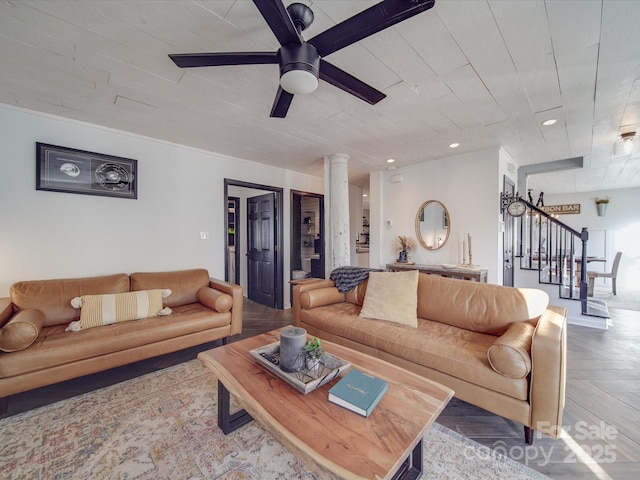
(464, 263)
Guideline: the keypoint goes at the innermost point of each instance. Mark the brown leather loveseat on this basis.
(38, 350)
(500, 348)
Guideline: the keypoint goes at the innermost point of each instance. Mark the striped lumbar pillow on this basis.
(107, 309)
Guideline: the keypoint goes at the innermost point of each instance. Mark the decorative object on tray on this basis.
(302, 379)
(358, 392)
(292, 343)
(406, 244)
(448, 265)
(312, 355)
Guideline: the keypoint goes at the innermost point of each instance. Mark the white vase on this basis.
(602, 209)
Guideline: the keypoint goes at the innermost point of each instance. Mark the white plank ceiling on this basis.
(482, 73)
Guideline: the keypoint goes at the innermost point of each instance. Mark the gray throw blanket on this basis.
(347, 278)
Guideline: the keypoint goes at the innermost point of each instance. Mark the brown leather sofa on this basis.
(481, 340)
(203, 310)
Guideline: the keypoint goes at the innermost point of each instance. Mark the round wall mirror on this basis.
(432, 225)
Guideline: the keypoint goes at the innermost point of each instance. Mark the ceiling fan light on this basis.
(299, 82)
(299, 68)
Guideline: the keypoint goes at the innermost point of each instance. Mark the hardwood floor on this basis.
(601, 416)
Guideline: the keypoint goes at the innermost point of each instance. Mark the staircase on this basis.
(559, 254)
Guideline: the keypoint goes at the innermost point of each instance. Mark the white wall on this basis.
(180, 194)
(468, 185)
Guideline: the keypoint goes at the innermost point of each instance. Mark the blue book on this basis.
(358, 392)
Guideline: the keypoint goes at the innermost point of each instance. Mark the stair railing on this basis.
(549, 246)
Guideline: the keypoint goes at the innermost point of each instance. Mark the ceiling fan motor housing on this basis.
(299, 61)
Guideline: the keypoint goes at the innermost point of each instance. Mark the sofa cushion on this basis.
(356, 295)
(392, 296)
(510, 354)
(53, 297)
(475, 306)
(56, 347)
(21, 331)
(100, 310)
(454, 351)
(184, 284)
(320, 296)
(215, 299)
(6, 311)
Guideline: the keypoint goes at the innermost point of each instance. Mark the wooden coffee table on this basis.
(332, 441)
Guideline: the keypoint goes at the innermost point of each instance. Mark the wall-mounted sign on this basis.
(561, 209)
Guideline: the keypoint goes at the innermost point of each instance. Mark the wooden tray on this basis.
(304, 381)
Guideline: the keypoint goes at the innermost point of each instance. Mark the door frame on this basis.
(279, 232)
(236, 237)
(508, 235)
(320, 198)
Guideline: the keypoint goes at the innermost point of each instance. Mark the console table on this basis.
(473, 274)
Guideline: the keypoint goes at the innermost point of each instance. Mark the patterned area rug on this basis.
(164, 426)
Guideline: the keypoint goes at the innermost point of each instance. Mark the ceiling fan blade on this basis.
(279, 21)
(281, 103)
(372, 20)
(186, 60)
(350, 84)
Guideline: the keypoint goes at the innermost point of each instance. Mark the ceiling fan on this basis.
(300, 60)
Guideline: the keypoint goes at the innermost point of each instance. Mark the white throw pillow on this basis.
(392, 296)
(107, 309)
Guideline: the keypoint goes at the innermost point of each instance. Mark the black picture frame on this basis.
(69, 170)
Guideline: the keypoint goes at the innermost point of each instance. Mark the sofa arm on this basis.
(548, 371)
(6, 310)
(236, 310)
(302, 287)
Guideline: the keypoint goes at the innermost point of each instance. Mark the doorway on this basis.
(256, 263)
(508, 257)
(307, 239)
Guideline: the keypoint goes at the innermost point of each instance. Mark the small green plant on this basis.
(313, 349)
(602, 200)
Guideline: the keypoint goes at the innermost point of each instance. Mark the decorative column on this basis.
(336, 180)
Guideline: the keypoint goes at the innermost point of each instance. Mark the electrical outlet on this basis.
(204, 235)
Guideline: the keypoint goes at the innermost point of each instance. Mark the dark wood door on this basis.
(508, 257)
(261, 250)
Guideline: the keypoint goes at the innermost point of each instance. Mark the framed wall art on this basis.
(61, 169)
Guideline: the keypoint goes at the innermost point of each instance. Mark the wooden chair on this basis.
(591, 276)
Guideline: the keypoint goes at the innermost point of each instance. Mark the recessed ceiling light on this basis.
(551, 121)
(391, 160)
(454, 145)
(365, 195)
